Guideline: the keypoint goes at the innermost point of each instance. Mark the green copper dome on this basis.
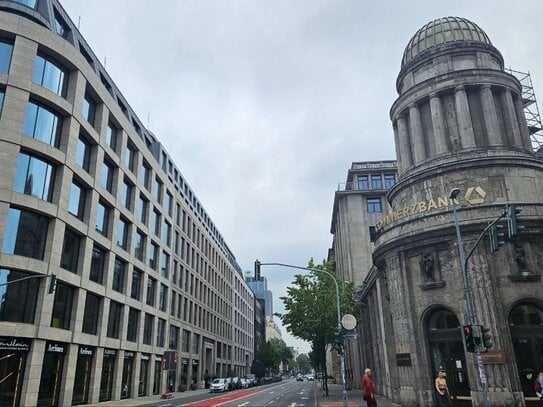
(441, 31)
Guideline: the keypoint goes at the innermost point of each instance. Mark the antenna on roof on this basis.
(148, 120)
(78, 22)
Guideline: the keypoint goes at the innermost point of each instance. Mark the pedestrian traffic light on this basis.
(513, 222)
(469, 338)
(257, 270)
(487, 339)
(497, 237)
(52, 283)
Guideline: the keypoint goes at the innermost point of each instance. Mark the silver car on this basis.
(218, 385)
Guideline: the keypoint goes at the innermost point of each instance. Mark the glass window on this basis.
(111, 136)
(363, 182)
(185, 341)
(163, 297)
(114, 320)
(76, 205)
(42, 124)
(137, 281)
(106, 179)
(139, 245)
(28, 3)
(6, 49)
(126, 194)
(61, 28)
(122, 233)
(34, 177)
(25, 234)
(390, 180)
(89, 109)
(148, 329)
(129, 157)
(374, 205)
(62, 306)
(70, 251)
(98, 262)
(165, 264)
(82, 153)
(195, 343)
(166, 233)
(133, 324)
(141, 209)
(145, 174)
(160, 332)
(18, 299)
(91, 314)
(174, 337)
(376, 182)
(157, 190)
(119, 272)
(102, 218)
(151, 291)
(168, 203)
(153, 255)
(50, 74)
(155, 222)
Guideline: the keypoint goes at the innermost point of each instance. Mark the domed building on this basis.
(460, 132)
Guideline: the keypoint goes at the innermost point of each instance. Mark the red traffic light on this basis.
(468, 330)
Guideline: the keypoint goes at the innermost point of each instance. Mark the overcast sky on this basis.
(264, 105)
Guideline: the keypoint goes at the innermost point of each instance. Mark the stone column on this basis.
(522, 124)
(490, 116)
(417, 137)
(510, 119)
(397, 145)
(68, 376)
(96, 376)
(405, 145)
(465, 127)
(438, 124)
(34, 364)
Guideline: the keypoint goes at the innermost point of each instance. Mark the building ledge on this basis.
(432, 284)
(522, 278)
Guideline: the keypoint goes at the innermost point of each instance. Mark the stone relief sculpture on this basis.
(427, 266)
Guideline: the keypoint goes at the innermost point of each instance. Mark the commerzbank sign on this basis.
(474, 196)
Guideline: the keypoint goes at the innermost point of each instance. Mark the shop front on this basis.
(108, 374)
(13, 354)
(128, 369)
(144, 375)
(85, 355)
(51, 374)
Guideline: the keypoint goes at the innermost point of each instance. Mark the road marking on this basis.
(244, 404)
(165, 405)
(305, 398)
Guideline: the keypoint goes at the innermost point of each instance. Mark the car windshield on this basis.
(218, 381)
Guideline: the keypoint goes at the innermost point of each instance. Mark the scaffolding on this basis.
(531, 110)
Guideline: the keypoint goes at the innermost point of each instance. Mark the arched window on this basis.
(442, 319)
(526, 314)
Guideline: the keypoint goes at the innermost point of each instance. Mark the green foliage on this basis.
(303, 363)
(271, 354)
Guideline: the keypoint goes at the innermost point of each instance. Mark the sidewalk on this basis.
(335, 398)
(140, 401)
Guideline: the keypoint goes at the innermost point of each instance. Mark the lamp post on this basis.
(468, 295)
(336, 285)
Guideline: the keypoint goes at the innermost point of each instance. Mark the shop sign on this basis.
(145, 356)
(403, 359)
(494, 357)
(170, 360)
(86, 351)
(184, 361)
(110, 353)
(128, 355)
(55, 347)
(195, 362)
(16, 344)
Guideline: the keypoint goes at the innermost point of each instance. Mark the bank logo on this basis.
(475, 195)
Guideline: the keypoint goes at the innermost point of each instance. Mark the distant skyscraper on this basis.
(260, 289)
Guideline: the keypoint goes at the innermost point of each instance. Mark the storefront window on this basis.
(51, 374)
(127, 375)
(82, 375)
(13, 352)
(108, 374)
(158, 371)
(144, 375)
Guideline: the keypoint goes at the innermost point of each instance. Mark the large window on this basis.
(153, 255)
(155, 222)
(6, 49)
(133, 324)
(166, 233)
(126, 194)
(98, 262)
(148, 329)
(89, 108)
(102, 218)
(25, 234)
(62, 306)
(91, 314)
(34, 177)
(50, 74)
(111, 136)
(106, 179)
(376, 182)
(163, 297)
(70, 251)
(160, 332)
(374, 205)
(164, 264)
(151, 291)
(119, 273)
(137, 282)
(145, 174)
(139, 245)
(363, 183)
(390, 180)
(42, 124)
(130, 156)
(82, 153)
(76, 206)
(28, 3)
(142, 209)
(114, 320)
(157, 190)
(122, 233)
(18, 299)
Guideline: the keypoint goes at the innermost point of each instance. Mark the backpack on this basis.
(537, 386)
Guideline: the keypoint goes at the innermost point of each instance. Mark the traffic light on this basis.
(469, 338)
(257, 270)
(497, 237)
(52, 283)
(487, 339)
(513, 222)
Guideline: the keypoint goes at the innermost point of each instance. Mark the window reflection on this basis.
(6, 49)
(18, 299)
(49, 74)
(33, 177)
(25, 234)
(42, 124)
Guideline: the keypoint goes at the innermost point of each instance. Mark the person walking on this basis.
(539, 387)
(368, 389)
(442, 390)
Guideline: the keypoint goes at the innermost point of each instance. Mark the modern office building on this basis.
(359, 203)
(260, 289)
(458, 123)
(110, 258)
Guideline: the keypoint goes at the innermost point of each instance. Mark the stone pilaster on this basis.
(438, 124)
(405, 147)
(417, 135)
(490, 116)
(465, 126)
(510, 119)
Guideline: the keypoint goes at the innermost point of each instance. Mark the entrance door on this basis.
(447, 351)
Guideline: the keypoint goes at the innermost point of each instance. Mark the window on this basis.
(25, 234)
(89, 109)
(195, 343)
(111, 136)
(151, 291)
(163, 297)
(91, 314)
(69, 259)
(174, 337)
(373, 233)
(42, 124)
(160, 332)
(98, 262)
(155, 222)
(137, 281)
(61, 28)
(376, 182)
(62, 306)
(18, 299)
(122, 233)
(130, 157)
(167, 233)
(363, 182)
(119, 272)
(168, 203)
(185, 341)
(390, 180)
(126, 194)
(374, 205)
(141, 208)
(157, 190)
(139, 245)
(133, 324)
(28, 3)
(34, 177)
(145, 175)
(102, 218)
(106, 179)
(50, 74)
(148, 329)
(6, 49)
(153, 255)
(164, 264)
(76, 206)
(82, 153)
(114, 320)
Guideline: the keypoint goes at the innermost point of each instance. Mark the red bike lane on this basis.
(223, 398)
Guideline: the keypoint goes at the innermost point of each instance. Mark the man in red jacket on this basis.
(368, 389)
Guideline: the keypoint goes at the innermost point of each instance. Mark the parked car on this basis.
(299, 378)
(310, 378)
(244, 383)
(218, 385)
(253, 381)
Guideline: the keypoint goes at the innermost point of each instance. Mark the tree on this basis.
(311, 310)
(304, 364)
